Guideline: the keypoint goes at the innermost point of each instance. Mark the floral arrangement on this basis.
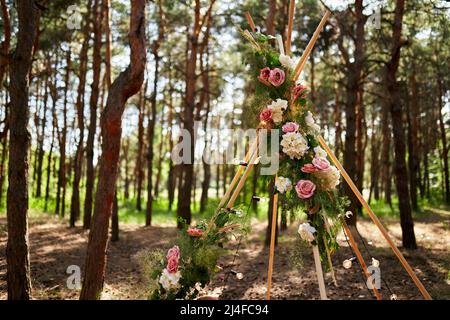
(186, 269)
(306, 179)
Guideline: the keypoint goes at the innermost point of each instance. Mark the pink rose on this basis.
(305, 189)
(264, 75)
(308, 168)
(299, 91)
(172, 264)
(290, 127)
(321, 163)
(266, 115)
(195, 232)
(174, 252)
(277, 77)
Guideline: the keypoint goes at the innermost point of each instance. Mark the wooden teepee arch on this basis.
(251, 158)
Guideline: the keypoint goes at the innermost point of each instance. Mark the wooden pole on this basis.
(250, 21)
(301, 63)
(272, 243)
(290, 27)
(249, 154)
(360, 258)
(375, 219)
(244, 177)
(319, 273)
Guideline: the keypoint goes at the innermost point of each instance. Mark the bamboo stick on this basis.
(319, 273)
(250, 21)
(301, 63)
(253, 148)
(249, 154)
(272, 243)
(375, 219)
(360, 258)
(244, 177)
(290, 27)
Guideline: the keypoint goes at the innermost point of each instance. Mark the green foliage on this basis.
(200, 248)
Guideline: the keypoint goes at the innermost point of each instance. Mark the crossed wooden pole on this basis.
(252, 157)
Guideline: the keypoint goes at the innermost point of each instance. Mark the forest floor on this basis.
(54, 247)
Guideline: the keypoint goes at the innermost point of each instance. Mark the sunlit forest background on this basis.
(396, 151)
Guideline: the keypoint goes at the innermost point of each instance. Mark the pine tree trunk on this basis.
(413, 152)
(354, 99)
(162, 151)
(444, 143)
(78, 162)
(126, 148)
(4, 154)
(395, 107)
(152, 120)
(17, 253)
(5, 44)
(93, 101)
(115, 219)
(187, 169)
(337, 120)
(49, 165)
(386, 153)
(126, 85)
(41, 138)
(62, 179)
(271, 16)
(171, 177)
(205, 100)
(140, 151)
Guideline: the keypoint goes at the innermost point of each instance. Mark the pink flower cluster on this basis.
(173, 259)
(317, 164)
(305, 188)
(195, 232)
(273, 77)
(298, 92)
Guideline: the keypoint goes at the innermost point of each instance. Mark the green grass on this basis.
(161, 214)
(128, 213)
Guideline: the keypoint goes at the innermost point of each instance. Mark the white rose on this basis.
(294, 145)
(306, 232)
(169, 280)
(319, 152)
(283, 184)
(287, 61)
(277, 108)
(311, 123)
